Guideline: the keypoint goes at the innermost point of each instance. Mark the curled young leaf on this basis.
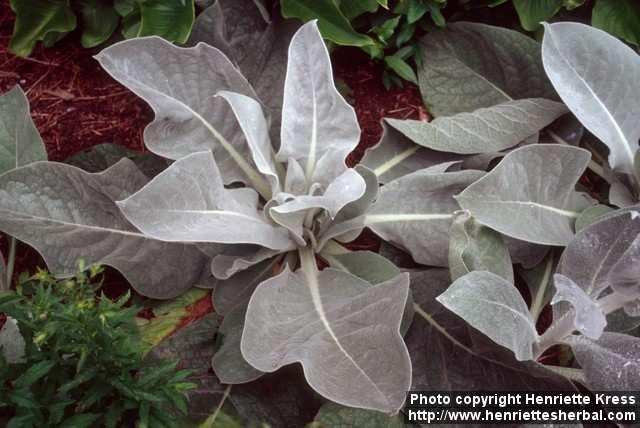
(588, 318)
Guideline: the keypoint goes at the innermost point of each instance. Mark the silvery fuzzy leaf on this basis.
(539, 281)
(12, 344)
(223, 266)
(414, 212)
(188, 203)
(228, 362)
(624, 276)
(373, 268)
(486, 130)
(620, 195)
(249, 115)
(449, 355)
(470, 66)
(326, 321)
(528, 196)
(475, 247)
(590, 258)
(295, 181)
(100, 157)
(525, 253)
(611, 363)
(591, 215)
(20, 142)
(319, 128)
(588, 318)
(495, 307)
(237, 290)
(358, 207)
(395, 156)
(231, 26)
(67, 214)
(349, 186)
(180, 85)
(581, 62)
(621, 322)
(333, 415)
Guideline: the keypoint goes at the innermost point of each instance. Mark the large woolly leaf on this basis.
(180, 85)
(449, 355)
(68, 214)
(345, 333)
(414, 212)
(530, 194)
(189, 203)
(580, 61)
(37, 20)
(228, 362)
(231, 26)
(486, 130)
(610, 363)
(470, 66)
(12, 344)
(590, 258)
(333, 24)
(618, 17)
(476, 247)
(495, 307)
(396, 155)
(319, 128)
(20, 142)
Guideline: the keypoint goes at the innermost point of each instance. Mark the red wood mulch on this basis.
(76, 105)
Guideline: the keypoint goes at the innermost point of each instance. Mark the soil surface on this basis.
(75, 105)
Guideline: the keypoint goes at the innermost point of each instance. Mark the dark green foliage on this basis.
(82, 364)
(50, 20)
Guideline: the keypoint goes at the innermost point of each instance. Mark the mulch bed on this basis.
(75, 105)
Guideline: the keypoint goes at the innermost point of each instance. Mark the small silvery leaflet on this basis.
(257, 191)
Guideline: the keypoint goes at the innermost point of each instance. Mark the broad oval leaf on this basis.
(180, 85)
(470, 66)
(580, 61)
(345, 333)
(415, 212)
(67, 214)
(319, 128)
(610, 363)
(533, 12)
(189, 203)
(618, 17)
(590, 258)
(486, 130)
(495, 307)
(20, 142)
(530, 193)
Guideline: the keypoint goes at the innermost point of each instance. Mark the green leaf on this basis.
(34, 373)
(99, 20)
(81, 420)
(416, 10)
(333, 415)
(533, 12)
(354, 8)
(401, 68)
(167, 18)
(333, 24)
(618, 17)
(385, 30)
(436, 15)
(37, 20)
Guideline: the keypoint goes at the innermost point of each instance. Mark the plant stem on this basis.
(11, 261)
(211, 419)
(538, 301)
